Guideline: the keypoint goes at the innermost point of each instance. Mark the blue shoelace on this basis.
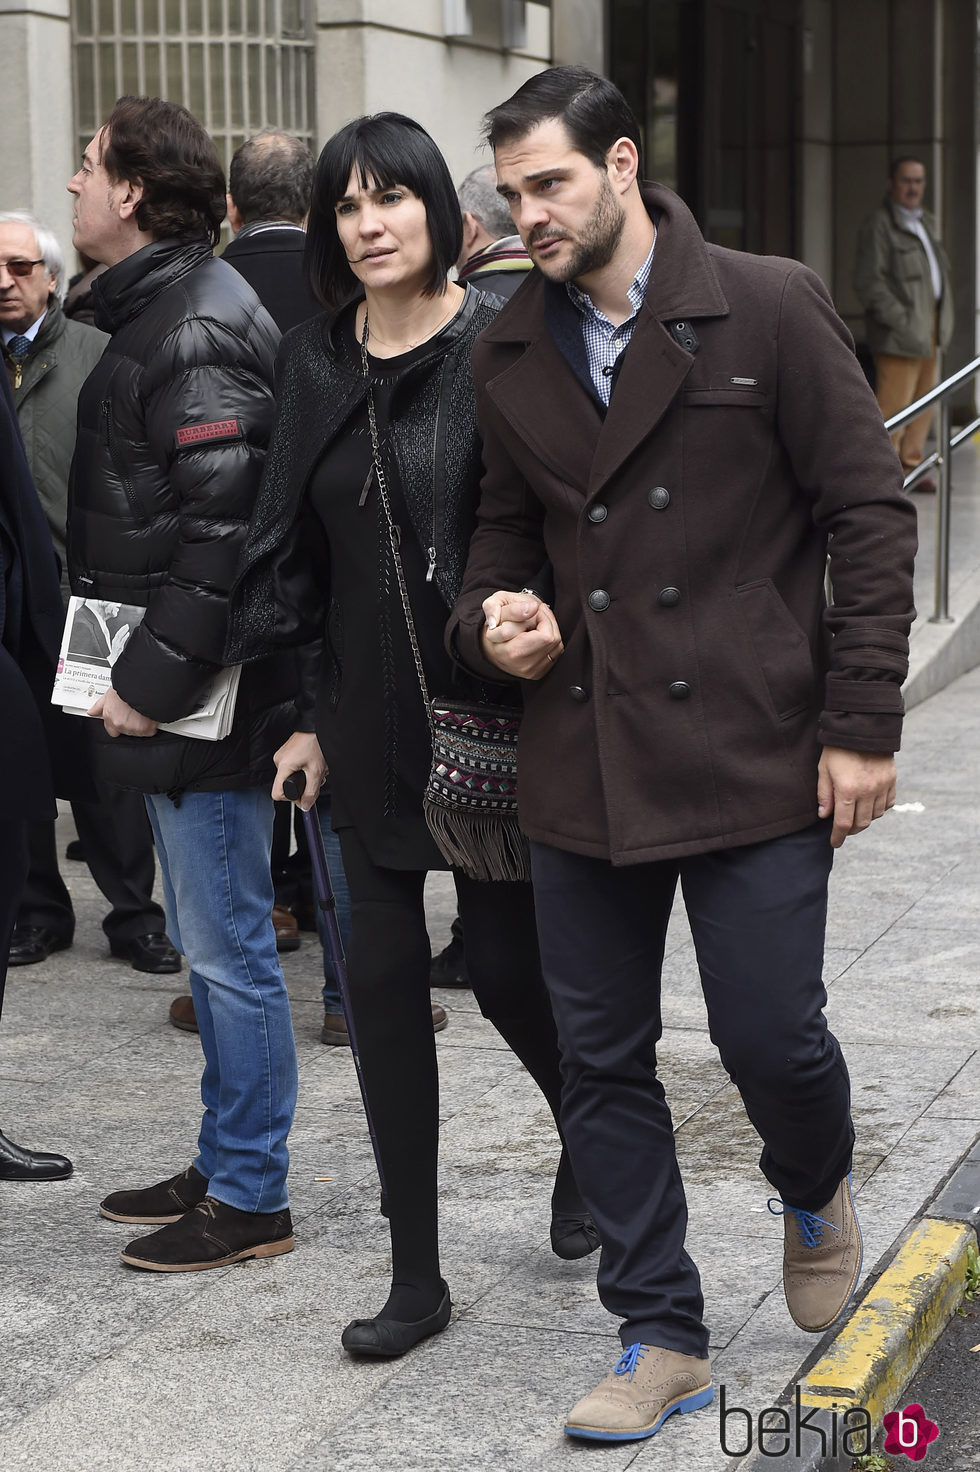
(628, 1359)
(810, 1225)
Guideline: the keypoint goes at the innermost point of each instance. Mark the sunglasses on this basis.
(21, 268)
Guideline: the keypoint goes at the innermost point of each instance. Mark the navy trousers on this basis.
(119, 852)
(758, 916)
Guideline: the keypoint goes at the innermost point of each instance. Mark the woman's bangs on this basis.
(386, 167)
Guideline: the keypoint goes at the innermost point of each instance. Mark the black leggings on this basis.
(388, 972)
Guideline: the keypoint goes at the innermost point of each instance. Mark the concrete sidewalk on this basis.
(240, 1369)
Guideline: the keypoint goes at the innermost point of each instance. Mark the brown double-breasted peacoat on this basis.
(688, 529)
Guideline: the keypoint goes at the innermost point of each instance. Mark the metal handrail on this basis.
(942, 459)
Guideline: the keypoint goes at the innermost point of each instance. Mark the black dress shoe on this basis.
(211, 1236)
(75, 851)
(448, 969)
(573, 1237)
(33, 943)
(18, 1164)
(152, 953)
(386, 1339)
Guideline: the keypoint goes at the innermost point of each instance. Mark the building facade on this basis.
(774, 119)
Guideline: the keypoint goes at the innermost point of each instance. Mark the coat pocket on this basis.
(909, 262)
(781, 648)
(735, 397)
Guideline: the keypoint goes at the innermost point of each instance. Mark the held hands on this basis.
(521, 635)
(121, 719)
(301, 753)
(856, 787)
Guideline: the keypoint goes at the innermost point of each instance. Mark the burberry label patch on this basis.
(221, 429)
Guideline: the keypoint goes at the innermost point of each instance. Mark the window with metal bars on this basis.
(238, 65)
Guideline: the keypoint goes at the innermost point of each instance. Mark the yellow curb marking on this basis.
(878, 1351)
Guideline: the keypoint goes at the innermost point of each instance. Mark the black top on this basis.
(365, 596)
(316, 563)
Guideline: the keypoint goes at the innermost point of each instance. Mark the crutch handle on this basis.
(295, 785)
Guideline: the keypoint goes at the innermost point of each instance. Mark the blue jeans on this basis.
(213, 850)
(338, 879)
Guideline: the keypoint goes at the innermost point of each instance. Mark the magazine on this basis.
(96, 632)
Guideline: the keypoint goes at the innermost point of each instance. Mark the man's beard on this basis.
(597, 241)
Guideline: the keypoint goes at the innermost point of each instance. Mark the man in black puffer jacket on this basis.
(173, 426)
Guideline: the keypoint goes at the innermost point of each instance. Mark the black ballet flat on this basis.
(386, 1339)
(573, 1236)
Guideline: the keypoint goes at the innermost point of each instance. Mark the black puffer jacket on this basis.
(173, 426)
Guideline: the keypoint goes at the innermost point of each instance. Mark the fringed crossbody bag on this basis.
(470, 800)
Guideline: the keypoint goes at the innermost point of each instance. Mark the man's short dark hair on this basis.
(905, 158)
(161, 146)
(391, 149)
(270, 178)
(594, 112)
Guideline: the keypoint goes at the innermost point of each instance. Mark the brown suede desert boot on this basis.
(334, 1031)
(648, 1385)
(822, 1255)
(286, 926)
(212, 1236)
(153, 1205)
(182, 1014)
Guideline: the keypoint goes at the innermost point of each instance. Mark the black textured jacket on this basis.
(173, 426)
(270, 257)
(369, 716)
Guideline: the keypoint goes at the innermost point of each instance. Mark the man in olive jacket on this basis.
(902, 279)
(680, 428)
(173, 427)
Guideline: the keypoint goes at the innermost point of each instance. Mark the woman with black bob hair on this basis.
(385, 376)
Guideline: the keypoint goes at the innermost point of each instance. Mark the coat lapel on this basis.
(683, 286)
(543, 396)
(653, 369)
(544, 401)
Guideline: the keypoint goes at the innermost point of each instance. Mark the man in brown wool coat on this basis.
(682, 430)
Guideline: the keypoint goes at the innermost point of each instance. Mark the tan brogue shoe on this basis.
(822, 1255)
(647, 1385)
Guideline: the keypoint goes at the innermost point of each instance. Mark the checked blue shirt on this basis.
(603, 341)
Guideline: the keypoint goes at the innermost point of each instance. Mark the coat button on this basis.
(598, 512)
(579, 693)
(659, 497)
(669, 597)
(599, 600)
(679, 690)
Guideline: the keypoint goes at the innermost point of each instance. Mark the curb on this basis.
(879, 1349)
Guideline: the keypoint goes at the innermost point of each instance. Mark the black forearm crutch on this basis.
(294, 787)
